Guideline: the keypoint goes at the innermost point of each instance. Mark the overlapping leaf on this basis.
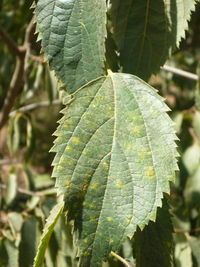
(73, 34)
(115, 158)
(153, 246)
(48, 229)
(146, 31)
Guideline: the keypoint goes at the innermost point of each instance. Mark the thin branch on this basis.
(31, 193)
(23, 191)
(196, 230)
(33, 106)
(182, 73)
(120, 259)
(16, 87)
(10, 43)
(8, 162)
(18, 79)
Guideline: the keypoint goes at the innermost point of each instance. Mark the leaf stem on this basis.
(120, 259)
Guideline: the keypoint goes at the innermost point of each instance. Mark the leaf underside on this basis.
(146, 31)
(115, 157)
(73, 34)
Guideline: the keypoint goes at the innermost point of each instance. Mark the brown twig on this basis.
(18, 79)
(16, 87)
(10, 43)
(196, 230)
(34, 106)
(32, 193)
(8, 162)
(23, 191)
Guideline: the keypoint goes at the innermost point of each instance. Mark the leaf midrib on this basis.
(106, 187)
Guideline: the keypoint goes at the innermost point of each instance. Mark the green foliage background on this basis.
(27, 191)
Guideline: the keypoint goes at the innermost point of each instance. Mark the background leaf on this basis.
(73, 34)
(153, 246)
(48, 229)
(146, 31)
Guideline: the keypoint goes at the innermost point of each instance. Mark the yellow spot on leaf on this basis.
(105, 165)
(136, 130)
(75, 140)
(85, 241)
(60, 168)
(109, 219)
(66, 125)
(70, 162)
(68, 149)
(119, 185)
(150, 172)
(91, 206)
(93, 186)
(128, 221)
(67, 184)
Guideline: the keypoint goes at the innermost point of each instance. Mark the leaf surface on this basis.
(48, 229)
(145, 32)
(73, 34)
(115, 157)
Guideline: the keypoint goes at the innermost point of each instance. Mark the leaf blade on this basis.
(145, 41)
(73, 39)
(111, 161)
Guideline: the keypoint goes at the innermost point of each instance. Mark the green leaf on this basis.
(11, 187)
(196, 124)
(73, 34)
(29, 238)
(153, 245)
(183, 252)
(145, 32)
(195, 246)
(192, 189)
(13, 253)
(115, 157)
(48, 229)
(191, 158)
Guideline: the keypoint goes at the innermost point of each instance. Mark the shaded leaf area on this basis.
(146, 32)
(115, 158)
(48, 229)
(153, 246)
(73, 34)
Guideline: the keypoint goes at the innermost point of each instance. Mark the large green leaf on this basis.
(73, 34)
(145, 31)
(115, 158)
(153, 245)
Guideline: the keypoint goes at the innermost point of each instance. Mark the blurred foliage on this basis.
(27, 191)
